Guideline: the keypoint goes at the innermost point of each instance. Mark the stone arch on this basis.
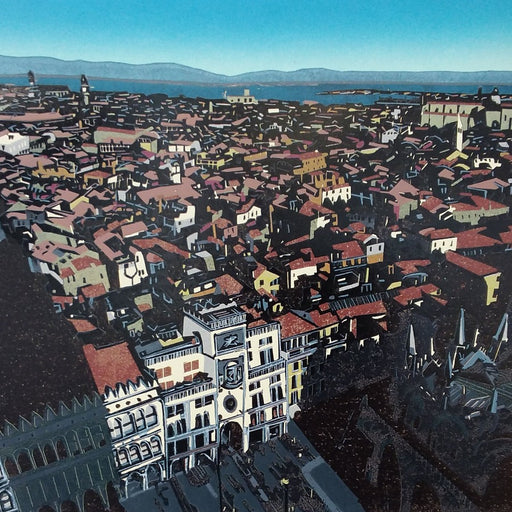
(134, 483)
(11, 467)
(61, 449)
(85, 439)
(24, 462)
(69, 506)
(73, 444)
(232, 434)
(49, 453)
(153, 474)
(93, 501)
(113, 498)
(38, 457)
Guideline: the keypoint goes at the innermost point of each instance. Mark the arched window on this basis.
(155, 445)
(98, 436)
(38, 457)
(24, 462)
(123, 457)
(151, 416)
(128, 425)
(73, 444)
(145, 450)
(134, 453)
(116, 428)
(62, 452)
(85, 439)
(199, 421)
(206, 420)
(170, 431)
(6, 501)
(140, 420)
(49, 454)
(11, 468)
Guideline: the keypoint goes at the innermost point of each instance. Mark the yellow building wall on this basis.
(492, 285)
(298, 374)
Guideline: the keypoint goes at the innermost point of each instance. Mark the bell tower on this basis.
(85, 90)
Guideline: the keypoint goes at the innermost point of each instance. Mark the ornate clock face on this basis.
(230, 403)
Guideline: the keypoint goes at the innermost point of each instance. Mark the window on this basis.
(24, 462)
(167, 371)
(11, 468)
(151, 416)
(73, 444)
(155, 445)
(6, 502)
(206, 420)
(38, 458)
(49, 454)
(182, 445)
(199, 421)
(128, 425)
(140, 420)
(144, 450)
(195, 364)
(116, 430)
(85, 439)
(187, 367)
(134, 454)
(123, 457)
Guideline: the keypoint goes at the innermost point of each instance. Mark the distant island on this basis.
(171, 72)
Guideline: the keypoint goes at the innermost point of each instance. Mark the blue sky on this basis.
(233, 37)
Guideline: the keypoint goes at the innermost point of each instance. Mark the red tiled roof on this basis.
(372, 308)
(94, 290)
(349, 249)
(229, 285)
(111, 365)
(473, 266)
(472, 238)
(82, 324)
(293, 325)
(411, 266)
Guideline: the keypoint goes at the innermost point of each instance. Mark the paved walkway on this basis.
(267, 460)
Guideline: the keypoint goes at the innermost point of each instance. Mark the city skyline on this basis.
(409, 36)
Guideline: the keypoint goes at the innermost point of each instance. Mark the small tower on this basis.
(84, 89)
(31, 79)
(459, 139)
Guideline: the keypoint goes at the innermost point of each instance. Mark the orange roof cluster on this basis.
(111, 365)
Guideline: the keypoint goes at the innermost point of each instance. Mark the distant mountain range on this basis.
(169, 72)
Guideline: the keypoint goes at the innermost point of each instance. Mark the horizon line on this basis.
(253, 71)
